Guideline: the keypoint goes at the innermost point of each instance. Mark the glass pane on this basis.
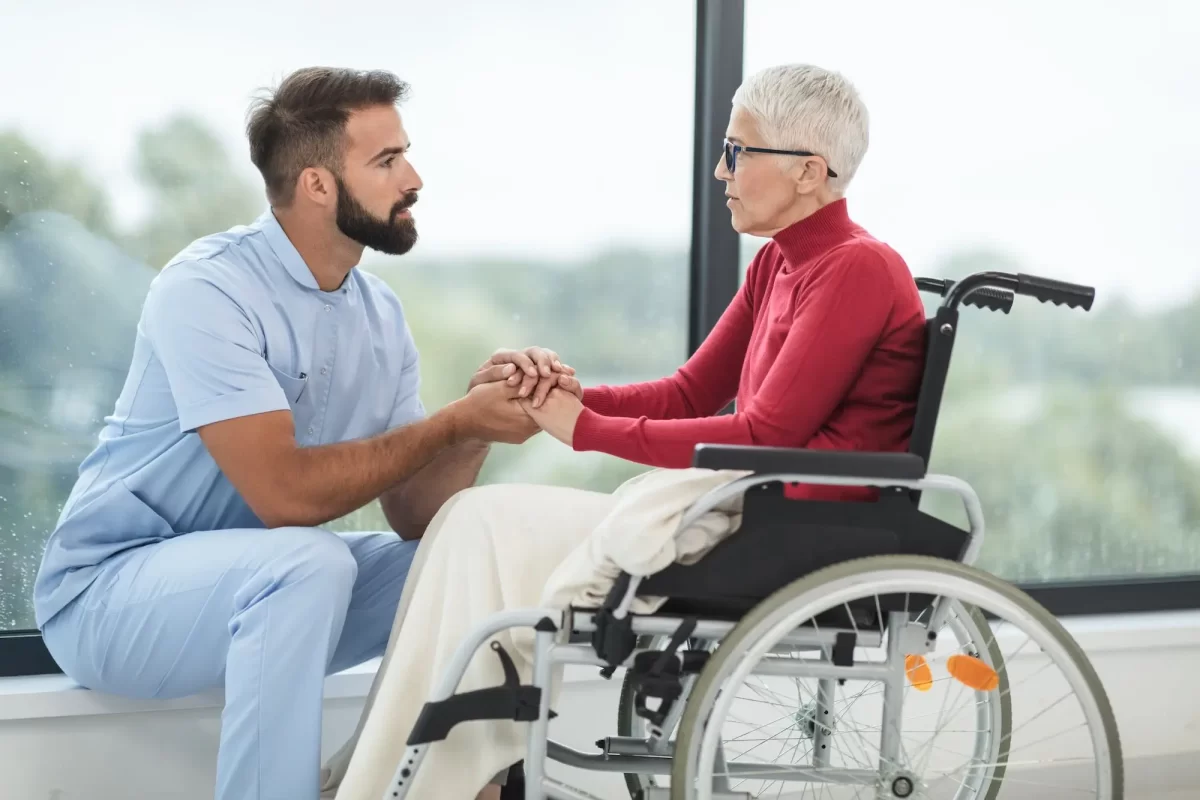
(537, 227)
(1056, 139)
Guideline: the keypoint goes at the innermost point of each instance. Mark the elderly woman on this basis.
(823, 345)
(821, 348)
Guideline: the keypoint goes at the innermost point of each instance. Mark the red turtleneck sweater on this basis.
(822, 348)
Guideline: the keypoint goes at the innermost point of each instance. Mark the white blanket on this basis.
(499, 548)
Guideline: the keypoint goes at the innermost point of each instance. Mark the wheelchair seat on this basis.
(781, 540)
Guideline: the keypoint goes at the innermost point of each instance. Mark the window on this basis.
(555, 146)
(1056, 139)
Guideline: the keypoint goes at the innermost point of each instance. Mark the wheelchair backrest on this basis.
(939, 343)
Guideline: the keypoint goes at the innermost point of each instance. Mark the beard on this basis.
(394, 236)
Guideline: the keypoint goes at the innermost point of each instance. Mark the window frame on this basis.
(714, 278)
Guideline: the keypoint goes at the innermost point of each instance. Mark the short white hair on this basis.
(803, 107)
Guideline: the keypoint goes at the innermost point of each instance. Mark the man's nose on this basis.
(413, 180)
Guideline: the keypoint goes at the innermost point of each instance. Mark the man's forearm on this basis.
(410, 505)
(327, 482)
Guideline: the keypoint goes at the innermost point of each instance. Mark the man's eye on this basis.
(387, 162)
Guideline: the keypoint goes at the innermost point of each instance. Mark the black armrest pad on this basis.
(833, 463)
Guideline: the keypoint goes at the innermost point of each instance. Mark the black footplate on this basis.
(510, 701)
(658, 674)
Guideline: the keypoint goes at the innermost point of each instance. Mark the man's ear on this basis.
(317, 184)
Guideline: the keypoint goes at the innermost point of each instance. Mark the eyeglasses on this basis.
(732, 150)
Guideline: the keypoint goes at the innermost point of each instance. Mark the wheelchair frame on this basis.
(552, 647)
(654, 754)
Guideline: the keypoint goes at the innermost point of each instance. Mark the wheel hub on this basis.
(806, 721)
(903, 786)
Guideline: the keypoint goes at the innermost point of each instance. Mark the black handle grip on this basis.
(1048, 290)
(994, 299)
(983, 297)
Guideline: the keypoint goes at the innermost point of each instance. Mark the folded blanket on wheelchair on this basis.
(505, 547)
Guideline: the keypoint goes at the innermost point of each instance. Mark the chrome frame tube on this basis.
(537, 741)
(661, 765)
(582, 622)
(893, 695)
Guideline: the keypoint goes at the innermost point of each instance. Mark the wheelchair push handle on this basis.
(984, 297)
(1048, 290)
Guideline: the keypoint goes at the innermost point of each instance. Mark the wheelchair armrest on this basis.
(829, 463)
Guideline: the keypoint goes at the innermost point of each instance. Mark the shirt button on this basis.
(324, 370)
(328, 307)
(310, 431)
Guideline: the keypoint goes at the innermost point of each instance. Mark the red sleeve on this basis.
(701, 387)
(839, 318)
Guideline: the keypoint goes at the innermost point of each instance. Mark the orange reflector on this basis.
(973, 673)
(919, 673)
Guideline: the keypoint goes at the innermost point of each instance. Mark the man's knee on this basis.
(312, 554)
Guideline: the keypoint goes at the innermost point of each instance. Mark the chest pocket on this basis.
(294, 389)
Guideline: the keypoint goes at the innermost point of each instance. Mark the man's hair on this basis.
(302, 123)
(802, 107)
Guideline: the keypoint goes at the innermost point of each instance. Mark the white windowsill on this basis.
(48, 696)
(42, 696)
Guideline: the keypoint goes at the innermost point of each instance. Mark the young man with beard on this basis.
(273, 388)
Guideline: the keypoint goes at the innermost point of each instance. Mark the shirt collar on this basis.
(285, 251)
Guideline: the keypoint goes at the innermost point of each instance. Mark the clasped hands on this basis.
(520, 392)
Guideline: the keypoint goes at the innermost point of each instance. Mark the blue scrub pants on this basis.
(265, 614)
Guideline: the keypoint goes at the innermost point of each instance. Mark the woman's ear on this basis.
(809, 175)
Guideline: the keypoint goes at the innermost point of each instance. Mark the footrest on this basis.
(510, 701)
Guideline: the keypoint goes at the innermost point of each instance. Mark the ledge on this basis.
(46, 696)
(49, 696)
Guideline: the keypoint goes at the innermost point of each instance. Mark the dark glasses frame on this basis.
(731, 151)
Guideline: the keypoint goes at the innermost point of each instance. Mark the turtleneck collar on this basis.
(815, 234)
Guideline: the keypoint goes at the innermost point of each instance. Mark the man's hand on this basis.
(557, 415)
(491, 412)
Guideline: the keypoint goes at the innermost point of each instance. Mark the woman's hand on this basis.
(535, 369)
(557, 414)
(529, 368)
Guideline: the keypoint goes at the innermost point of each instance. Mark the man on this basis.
(273, 388)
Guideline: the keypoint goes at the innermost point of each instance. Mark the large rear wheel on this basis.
(1020, 714)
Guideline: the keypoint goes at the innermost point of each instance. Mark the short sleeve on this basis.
(209, 351)
(408, 407)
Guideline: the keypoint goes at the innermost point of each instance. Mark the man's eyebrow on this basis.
(389, 151)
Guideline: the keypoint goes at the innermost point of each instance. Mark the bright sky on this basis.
(1062, 132)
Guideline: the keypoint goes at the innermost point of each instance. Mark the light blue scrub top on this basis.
(234, 325)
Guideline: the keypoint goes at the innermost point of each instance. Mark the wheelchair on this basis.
(860, 610)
